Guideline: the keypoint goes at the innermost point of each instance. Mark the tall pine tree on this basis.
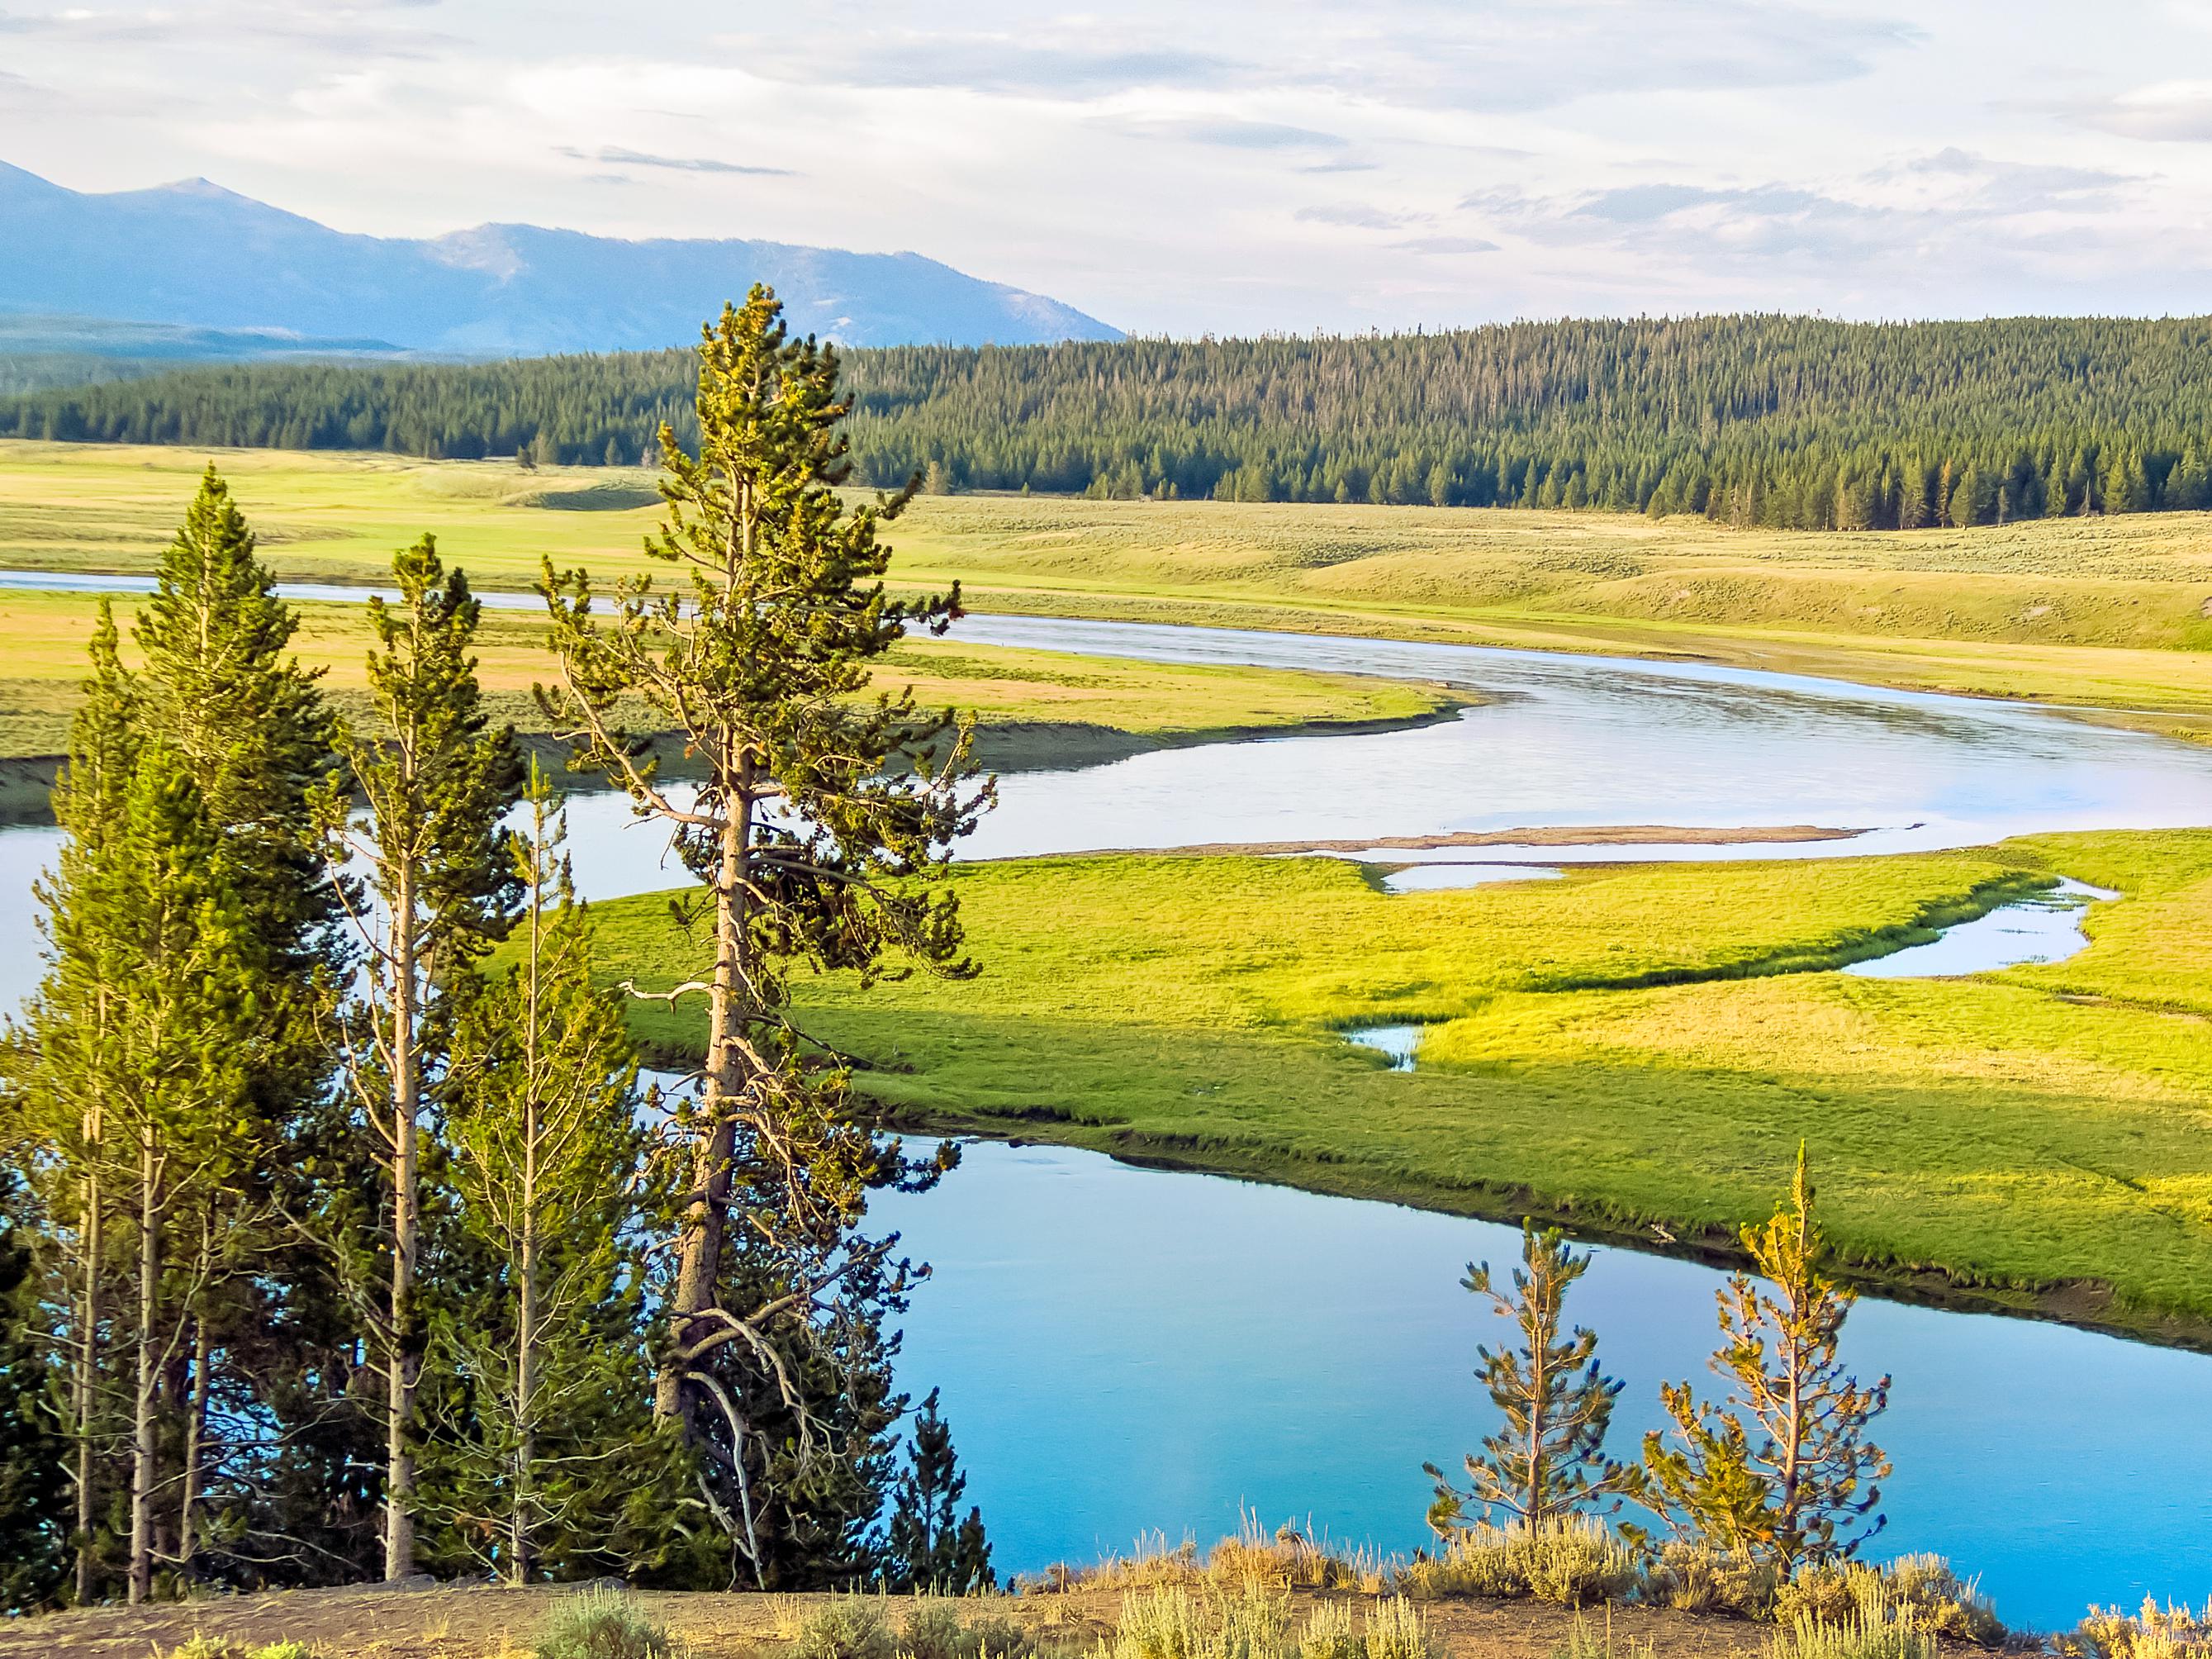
(434, 777)
(548, 1362)
(822, 818)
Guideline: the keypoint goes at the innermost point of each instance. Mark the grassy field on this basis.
(2112, 613)
(1630, 1047)
(44, 636)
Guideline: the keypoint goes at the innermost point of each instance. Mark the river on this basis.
(1123, 1350)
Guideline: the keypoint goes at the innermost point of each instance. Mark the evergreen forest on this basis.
(1757, 420)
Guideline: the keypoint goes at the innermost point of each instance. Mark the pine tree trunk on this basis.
(87, 1393)
(142, 1443)
(525, 1395)
(699, 1269)
(401, 1372)
(195, 1441)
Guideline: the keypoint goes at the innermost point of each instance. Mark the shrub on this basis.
(844, 1627)
(927, 1626)
(1332, 1633)
(1919, 1592)
(601, 1624)
(1395, 1630)
(1583, 1642)
(1569, 1563)
(2154, 1633)
(1879, 1624)
(1699, 1578)
(283, 1650)
(954, 1627)
(1392, 1629)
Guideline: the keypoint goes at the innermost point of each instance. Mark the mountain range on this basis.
(197, 255)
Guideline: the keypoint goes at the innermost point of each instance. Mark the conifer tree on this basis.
(62, 1064)
(182, 1044)
(1549, 1459)
(218, 688)
(820, 822)
(34, 1447)
(929, 1544)
(1781, 1471)
(547, 1164)
(435, 777)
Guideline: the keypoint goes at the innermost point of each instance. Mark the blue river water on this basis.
(1122, 1350)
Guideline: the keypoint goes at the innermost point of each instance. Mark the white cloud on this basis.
(1238, 167)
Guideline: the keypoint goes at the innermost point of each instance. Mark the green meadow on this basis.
(1637, 1049)
(2109, 613)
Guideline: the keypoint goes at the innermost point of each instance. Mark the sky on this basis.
(1233, 166)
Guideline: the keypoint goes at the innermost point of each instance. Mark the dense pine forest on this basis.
(1784, 421)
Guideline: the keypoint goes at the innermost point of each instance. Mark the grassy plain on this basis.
(1636, 1049)
(43, 637)
(2111, 613)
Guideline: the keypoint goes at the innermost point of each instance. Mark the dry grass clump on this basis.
(921, 1626)
(1287, 1560)
(1917, 1592)
(1571, 1563)
(205, 1647)
(2156, 1633)
(1252, 1620)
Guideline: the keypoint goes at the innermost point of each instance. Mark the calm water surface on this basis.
(1121, 1350)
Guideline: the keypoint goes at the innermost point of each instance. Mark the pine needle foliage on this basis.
(1548, 1461)
(1781, 1471)
(931, 1546)
(435, 776)
(819, 833)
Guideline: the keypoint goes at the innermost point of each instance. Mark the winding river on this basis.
(1121, 1350)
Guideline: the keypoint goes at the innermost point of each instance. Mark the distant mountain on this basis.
(197, 255)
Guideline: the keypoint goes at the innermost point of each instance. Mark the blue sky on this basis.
(1231, 168)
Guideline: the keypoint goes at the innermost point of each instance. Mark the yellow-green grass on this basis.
(43, 637)
(1627, 1047)
(2107, 612)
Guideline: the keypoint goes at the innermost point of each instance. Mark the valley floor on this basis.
(2113, 615)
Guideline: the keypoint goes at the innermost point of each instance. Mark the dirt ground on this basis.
(482, 1622)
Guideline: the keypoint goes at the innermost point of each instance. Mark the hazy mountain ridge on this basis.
(198, 255)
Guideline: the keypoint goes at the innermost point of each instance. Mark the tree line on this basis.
(339, 1239)
(1784, 422)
